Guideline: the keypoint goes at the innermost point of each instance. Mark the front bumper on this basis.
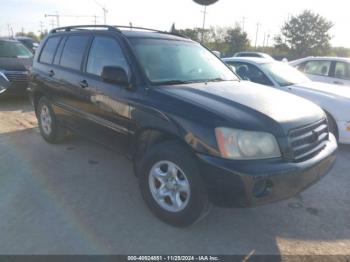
(234, 183)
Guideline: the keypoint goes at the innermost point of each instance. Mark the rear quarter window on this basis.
(49, 50)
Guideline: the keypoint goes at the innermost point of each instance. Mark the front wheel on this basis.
(171, 185)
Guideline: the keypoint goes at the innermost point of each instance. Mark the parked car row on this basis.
(196, 133)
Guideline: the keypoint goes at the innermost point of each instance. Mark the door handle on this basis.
(338, 83)
(51, 73)
(83, 84)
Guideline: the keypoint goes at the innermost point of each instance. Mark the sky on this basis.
(160, 14)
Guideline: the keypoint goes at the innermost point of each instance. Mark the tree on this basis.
(237, 40)
(194, 34)
(307, 34)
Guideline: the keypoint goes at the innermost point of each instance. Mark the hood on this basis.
(329, 89)
(232, 99)
(15, 64)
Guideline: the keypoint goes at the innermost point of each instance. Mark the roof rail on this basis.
(82, 27)
(112, 28)
(149, 29)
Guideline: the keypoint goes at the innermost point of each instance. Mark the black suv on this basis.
(196, 134)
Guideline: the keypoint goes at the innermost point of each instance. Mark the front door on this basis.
(318, 70)
(107, 108)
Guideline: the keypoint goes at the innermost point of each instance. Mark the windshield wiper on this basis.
(219, 79)
(172, 82)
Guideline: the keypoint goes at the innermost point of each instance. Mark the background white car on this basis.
(333, 70)
(253, 54)
(333, 99)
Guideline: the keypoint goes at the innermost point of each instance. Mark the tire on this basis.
(189, 191)
(49, 127)
(332, 126)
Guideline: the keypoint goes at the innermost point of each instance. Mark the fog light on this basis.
(262, 188)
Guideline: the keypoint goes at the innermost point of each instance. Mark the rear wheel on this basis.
(171, 185)
(49, 127)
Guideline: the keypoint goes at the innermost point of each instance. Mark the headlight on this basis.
(241, 144)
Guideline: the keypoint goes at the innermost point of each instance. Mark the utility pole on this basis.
(57, 16)
(264, 40)
(9, 30)
(257, 33)
(105, 11)
(41, 24)
(243, 23)
(268, 36)
(204, 16)
(52, 23)
(95, 19)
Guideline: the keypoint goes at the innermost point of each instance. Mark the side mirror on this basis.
(115, 75)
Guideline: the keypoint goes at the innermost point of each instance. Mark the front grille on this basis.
(17, 76)
(308, 141)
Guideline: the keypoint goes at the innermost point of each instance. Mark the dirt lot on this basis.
(79, 198)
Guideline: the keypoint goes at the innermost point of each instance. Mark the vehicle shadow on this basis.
(78, 197)
(11, 103)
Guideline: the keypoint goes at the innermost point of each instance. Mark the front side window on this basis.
(179, 61)
(73, 52)
(284, 74)
(105, 51)
(49, 50)
(342, 70)
(251, 73)
(320, 68)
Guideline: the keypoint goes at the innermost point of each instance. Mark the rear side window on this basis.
(342, 70)
(320, 68)
(49, 50)
(73, 52)
(105, 51)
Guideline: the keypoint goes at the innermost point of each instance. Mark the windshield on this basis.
(14, 50)
(284, 74)
(175, 62)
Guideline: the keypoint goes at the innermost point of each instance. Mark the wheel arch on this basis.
(36, 98)
(147, 137)
(334, 121)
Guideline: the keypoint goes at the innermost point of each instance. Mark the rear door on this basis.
(341, 73)
(43, 69)
(105, 105)
(66, 74)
